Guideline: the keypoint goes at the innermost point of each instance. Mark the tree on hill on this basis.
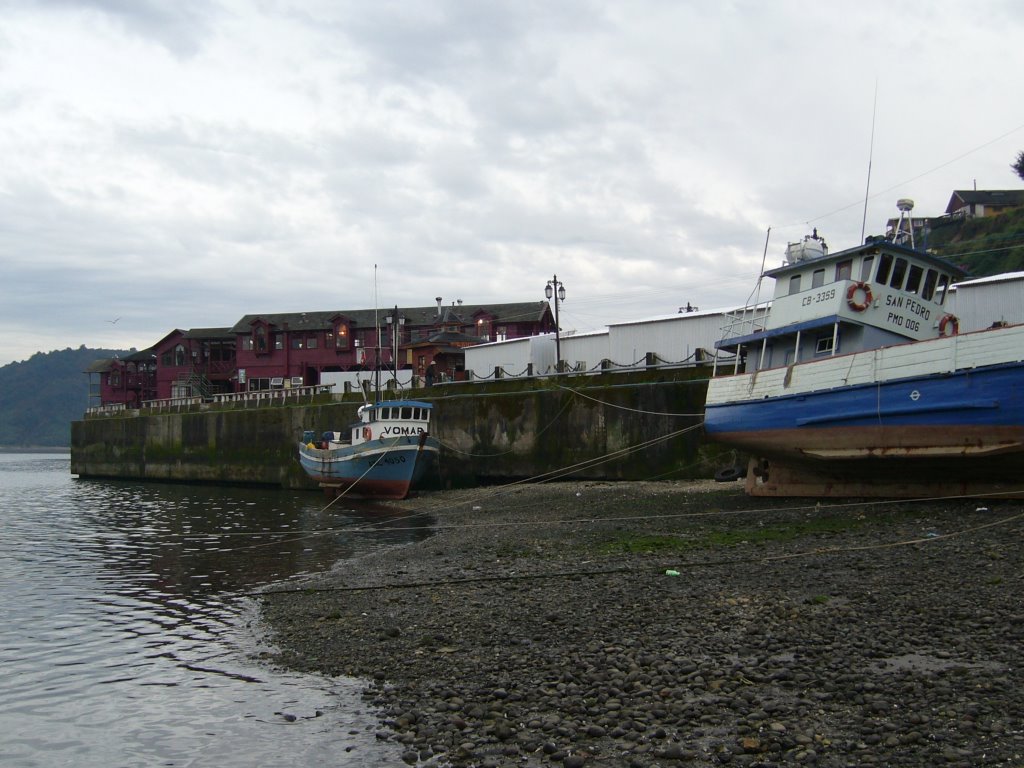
(1018, 166)
(41, 396)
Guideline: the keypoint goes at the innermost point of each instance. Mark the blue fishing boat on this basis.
(382, 455)
(857, 380)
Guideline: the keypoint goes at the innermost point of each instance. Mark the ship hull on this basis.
(380, 469)
(916, 419)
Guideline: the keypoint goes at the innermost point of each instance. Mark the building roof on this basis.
(210, 334)
(465, 314)
(990, 197)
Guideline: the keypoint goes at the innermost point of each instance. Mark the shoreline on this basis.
(660, 623)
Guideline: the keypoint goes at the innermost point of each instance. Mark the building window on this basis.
(247, 343)
(341, 337)
(180, 355)
(297, 342)
(259, 339)
(278, 341)
(311, 342)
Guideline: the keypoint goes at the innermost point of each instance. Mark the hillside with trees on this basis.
(41, 396)
(983, 246)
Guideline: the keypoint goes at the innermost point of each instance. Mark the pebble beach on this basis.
(676, 623)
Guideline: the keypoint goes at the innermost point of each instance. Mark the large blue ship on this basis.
(858, 380)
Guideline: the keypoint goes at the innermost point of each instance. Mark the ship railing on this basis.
(745, 321)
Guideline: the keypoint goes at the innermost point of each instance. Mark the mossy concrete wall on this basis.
(619, 426)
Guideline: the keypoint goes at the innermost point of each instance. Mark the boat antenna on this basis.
(376, 323)
(760, 277)
(871, 152)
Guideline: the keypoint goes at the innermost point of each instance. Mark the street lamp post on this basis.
(556, 289)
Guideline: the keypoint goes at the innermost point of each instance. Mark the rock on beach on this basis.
(676, 623)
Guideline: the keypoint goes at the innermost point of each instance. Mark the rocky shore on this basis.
(662, 624)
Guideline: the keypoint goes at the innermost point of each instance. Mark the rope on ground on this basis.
(615, 571)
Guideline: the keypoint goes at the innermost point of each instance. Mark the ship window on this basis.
(914, 278)
(794, 284)
(884, 267)
(943, 288)
(823, 345)
(407, 413)
(818, 278)
(898, 273)
(930, 278)
(865, 268)
(844, 269)
(385, 413)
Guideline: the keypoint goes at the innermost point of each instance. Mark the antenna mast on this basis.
(871, 152)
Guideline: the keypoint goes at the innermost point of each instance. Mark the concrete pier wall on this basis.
(622, 426)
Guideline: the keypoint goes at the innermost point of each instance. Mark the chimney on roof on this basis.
(438, 300)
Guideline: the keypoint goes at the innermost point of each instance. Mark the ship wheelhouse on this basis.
(875, 295)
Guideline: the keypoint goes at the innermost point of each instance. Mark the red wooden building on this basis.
(262, 352)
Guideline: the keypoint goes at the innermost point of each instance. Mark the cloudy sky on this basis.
(180, 164)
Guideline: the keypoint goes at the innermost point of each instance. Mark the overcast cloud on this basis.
(178, 165)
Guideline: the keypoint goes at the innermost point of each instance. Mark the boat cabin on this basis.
(877, 294)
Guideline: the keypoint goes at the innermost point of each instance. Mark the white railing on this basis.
(267, 396)
(106, 410)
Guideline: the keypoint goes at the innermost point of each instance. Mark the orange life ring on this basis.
(851, 293)
(367, 434)
(949, 322)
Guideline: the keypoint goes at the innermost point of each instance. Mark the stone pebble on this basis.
(538, 627)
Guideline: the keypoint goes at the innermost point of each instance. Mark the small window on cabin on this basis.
(406, 412)
(844, 269)
(865, 268)
(898, 273)
(884, 268)
(818, 278)
(794, 284)
(914, 278)
(928, 290)
(823, 346)
(383, 413)
(943, 288)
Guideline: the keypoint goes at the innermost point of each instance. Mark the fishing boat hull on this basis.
(942, 416)
(387, 468)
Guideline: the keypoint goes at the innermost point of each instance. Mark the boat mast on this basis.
(871, 152)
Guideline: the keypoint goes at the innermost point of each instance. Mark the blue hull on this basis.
(954, 433)
(982, 397)
(379, 469)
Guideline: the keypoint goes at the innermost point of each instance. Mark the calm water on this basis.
(126, 638)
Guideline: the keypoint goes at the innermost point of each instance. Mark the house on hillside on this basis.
(978, 203)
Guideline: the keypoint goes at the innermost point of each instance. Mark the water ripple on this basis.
(125, 639)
